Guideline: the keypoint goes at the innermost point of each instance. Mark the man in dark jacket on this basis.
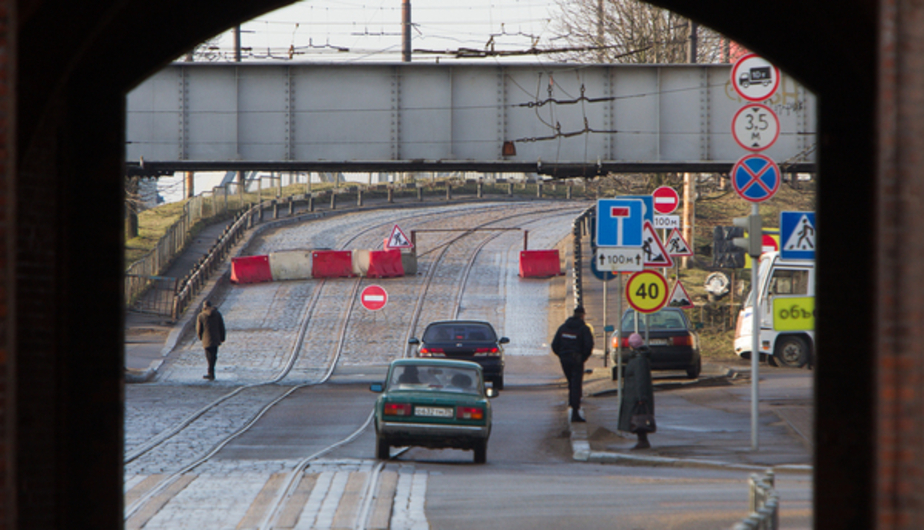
(573, 344)
(210, 328)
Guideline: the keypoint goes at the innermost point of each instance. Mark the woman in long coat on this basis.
(638, 391)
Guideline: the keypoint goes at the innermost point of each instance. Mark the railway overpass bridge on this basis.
(556, 119)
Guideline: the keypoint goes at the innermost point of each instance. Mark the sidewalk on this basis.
(704, 423)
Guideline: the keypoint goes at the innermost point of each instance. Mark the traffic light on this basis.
(753, 243)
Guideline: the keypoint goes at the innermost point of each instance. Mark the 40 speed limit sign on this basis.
(647, 291)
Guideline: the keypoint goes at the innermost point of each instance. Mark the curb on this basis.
(581, 452)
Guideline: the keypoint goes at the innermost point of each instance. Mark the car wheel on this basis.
(792, 352)
(693, 371)
(481, 452)
(382, 449)
(498, 382)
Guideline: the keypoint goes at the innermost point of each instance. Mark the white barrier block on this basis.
(290, 265)
(361, 262)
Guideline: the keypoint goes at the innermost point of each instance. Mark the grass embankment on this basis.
(718, 209)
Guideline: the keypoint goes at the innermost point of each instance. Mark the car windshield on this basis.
(661, 320)
(453, 332)
(439, 378)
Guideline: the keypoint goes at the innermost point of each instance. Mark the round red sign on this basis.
(666, 200)
(373, 298)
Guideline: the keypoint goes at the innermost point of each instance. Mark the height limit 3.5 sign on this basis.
(755, 127)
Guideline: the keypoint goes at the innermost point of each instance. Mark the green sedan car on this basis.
(433, 403)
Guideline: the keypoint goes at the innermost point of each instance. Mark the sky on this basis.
(371, 29)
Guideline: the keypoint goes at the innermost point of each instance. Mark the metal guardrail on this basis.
(140, 275)
(763, 503)
(578, 229)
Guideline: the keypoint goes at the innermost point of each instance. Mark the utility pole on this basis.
(237, 43)
(689, 193)
(601, 53)
(406, 31)
(694, 43)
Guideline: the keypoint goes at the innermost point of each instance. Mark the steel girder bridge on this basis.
(561, 120)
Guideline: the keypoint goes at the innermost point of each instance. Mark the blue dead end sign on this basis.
(619, 222)
(755, 177)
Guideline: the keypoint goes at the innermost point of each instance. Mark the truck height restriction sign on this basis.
(754, 78)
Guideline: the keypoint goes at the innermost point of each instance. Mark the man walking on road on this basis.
(210, 328)
(573, 344)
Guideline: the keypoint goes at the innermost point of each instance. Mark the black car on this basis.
(465, 340)
(673, 340)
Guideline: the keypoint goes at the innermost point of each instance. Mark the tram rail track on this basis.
(292, 478)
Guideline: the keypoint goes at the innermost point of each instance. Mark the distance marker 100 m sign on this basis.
(647, 291)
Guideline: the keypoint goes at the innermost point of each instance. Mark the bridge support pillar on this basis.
(448, 191)
(333, 201)
(570, 190)
(419, 194)
(391, 195)
(510, 189)
(311, 203)
(359, 197)
(480, 189)
(539, 189)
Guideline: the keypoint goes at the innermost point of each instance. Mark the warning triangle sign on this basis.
(398, 239)
(652, 249)
(802, 237)
(680, 297)
(677, 246)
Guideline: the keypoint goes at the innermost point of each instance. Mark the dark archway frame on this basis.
(76, 60)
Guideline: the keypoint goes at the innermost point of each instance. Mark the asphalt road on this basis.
(530, 480)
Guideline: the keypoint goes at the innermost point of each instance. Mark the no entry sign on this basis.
(666, 200)
(373, 298)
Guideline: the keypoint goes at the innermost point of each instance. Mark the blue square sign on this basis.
(619, 222)
(797, 235)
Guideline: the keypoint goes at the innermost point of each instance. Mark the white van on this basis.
(786, 296)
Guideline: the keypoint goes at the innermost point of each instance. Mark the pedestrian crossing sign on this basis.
(398, 239)
(797, 235)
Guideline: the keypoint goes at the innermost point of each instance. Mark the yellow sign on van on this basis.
(794, 313)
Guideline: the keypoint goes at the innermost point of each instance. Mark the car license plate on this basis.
(658, 342)
(433, 412)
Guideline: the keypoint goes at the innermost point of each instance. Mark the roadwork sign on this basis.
(652, 250)
(677, 246)
(619, 259)
(398, 239)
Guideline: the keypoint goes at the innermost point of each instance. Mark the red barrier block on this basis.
(251, 269)
(385, 264)
(539, 263)
(332, 264)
